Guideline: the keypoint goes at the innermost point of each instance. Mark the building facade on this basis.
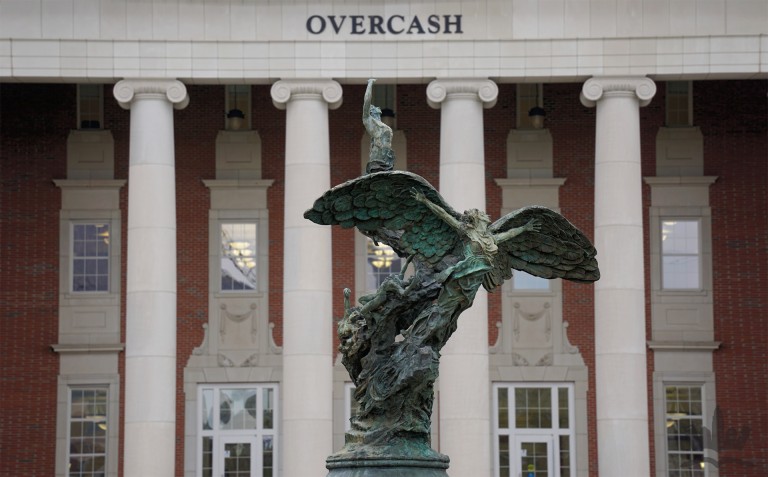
(167, 311)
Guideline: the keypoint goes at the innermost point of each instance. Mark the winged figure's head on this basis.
(475, 218)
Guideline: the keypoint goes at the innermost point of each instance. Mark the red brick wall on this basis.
(733, 116)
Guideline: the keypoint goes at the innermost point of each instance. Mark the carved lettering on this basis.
(315, 24)
(379, 25)
(337, 26)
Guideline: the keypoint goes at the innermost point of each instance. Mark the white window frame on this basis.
(110, 259)
(703, 379)
(704, 413)
(80, 112)
(110, 382)
(555, 432)
(219, 435)
(71, 420)
(699, 255)
(256, 257)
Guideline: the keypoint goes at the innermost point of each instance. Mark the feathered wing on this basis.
(381, 206)
(557, 250)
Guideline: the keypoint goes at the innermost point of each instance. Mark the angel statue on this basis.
(390, 343)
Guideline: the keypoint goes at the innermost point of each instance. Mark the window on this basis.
(528, 96)
(685, 430)
(679, 104)
(90, 98)
(382, 261)
(237, 430)
(523, 281)
(238, 106)
(90, 257)
(383, 97)
(533, 427)
(680, 262)
(87, 436)
(238, 257)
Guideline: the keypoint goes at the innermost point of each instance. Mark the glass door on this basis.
(534, 456)
(238, 456)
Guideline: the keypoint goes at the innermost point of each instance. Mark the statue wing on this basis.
(557, 250)
(382, 207)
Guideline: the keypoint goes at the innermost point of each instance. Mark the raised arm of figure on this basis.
(437, 210)
(533, 225)
(367, 119)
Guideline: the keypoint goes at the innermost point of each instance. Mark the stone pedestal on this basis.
(387, 467)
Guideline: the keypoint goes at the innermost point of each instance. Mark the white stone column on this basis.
(464, 399)
(620, 342)
(307, 388)
(150, 309)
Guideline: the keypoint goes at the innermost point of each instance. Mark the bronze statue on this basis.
(391, 343)
(382, 157)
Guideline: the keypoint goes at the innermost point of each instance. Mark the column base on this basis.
(387, 467)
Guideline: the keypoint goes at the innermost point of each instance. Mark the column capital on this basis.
(483, 90)
(125, 91)
(328, 90)
(599, 87)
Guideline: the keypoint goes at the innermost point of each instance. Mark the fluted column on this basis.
(620, 342)
(307, 387)
(464, 377)
(150, 308)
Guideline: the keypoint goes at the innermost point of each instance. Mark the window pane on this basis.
(503, 411)
(238, 257)
(268, 408)
(237, 409)
(87, 431)
(504, 456)
(527, 98)
(685, 430)
(533, 408)
(90, 257)
(562, 402)
(565, 456)
(207, 404)
(382, 262)
(681, 259)
(678, 103)
(89, 107)
(525, 281)
(207, 456)
(680, 236)
(267, 456)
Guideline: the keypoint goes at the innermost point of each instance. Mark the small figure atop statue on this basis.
(382, 157)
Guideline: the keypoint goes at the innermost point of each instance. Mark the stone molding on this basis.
(285, 90)
(125, 91)
(484, 90)
(600, 87)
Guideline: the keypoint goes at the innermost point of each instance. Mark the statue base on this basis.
(387, 467)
